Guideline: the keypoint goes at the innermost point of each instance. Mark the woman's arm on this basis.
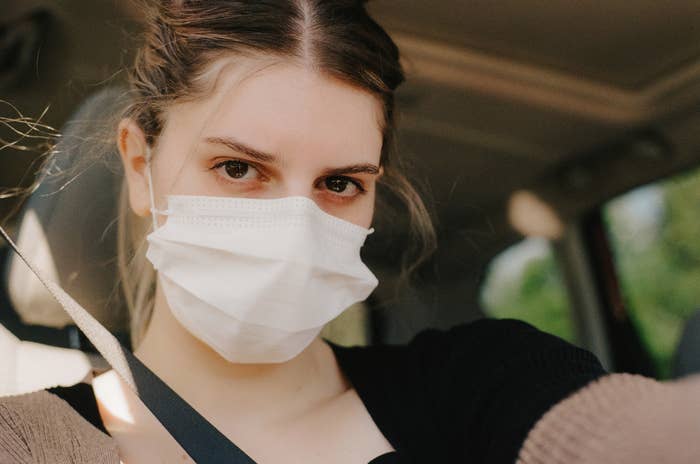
(42, 428)
(620, 418)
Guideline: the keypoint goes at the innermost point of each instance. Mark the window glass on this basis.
(655, 235)
(524, 282)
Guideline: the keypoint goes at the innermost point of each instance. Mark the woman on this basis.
(258, 134)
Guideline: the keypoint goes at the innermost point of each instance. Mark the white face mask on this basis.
(257, 279)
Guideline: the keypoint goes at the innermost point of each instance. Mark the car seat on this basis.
(67, 226)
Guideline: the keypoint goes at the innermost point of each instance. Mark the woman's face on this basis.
(280, 131)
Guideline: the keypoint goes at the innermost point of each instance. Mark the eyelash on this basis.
(223, 163)
(360, 187)
(361, 190)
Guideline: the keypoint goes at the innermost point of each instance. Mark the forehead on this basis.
(288, 109)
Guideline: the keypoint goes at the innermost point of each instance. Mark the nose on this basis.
(301, 186)
(298, 186)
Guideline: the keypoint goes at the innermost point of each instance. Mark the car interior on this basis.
(555, 144)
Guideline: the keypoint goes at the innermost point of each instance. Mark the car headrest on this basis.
(68, 226)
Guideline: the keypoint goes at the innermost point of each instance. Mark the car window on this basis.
(524, 282)
(655, 236)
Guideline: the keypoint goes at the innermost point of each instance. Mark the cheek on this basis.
(368, 211)
(177, 172)
(360, 212)
(366, 220)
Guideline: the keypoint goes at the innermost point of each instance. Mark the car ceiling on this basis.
(524, 86)
(500, 96)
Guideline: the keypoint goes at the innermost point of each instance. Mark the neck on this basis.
(215, 386)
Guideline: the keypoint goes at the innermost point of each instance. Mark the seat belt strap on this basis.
(203, 442)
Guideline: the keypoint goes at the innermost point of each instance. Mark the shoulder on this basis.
(474, 390)
(499, 334)
(42, 424)
(492, 344)
(499, 377)
(487, 351)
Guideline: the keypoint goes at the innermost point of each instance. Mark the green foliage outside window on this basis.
(528, 286)
(655, 234)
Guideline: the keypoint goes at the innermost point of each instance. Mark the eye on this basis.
(236, 169)
(342, 186)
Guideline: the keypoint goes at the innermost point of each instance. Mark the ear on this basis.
(133, 150)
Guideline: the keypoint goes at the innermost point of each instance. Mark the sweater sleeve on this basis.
(41, 428)
(494, 379)
(621, 418)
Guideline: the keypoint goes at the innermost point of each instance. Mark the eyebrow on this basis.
(240, 147)
(235, 145)
(364, 168)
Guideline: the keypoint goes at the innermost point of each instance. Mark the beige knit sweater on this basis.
(621, 419)
(41, 428)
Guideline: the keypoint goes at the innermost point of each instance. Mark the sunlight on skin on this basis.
(117, 409)
(133, 426)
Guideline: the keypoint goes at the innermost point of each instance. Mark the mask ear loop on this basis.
(151, 195)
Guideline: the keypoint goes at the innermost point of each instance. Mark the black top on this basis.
(469, 394)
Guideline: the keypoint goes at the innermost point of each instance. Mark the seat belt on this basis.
(203, 442)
